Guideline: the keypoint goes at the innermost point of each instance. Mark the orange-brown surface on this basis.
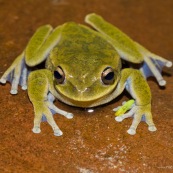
(92, 142)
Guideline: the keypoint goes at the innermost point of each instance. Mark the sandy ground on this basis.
(92, 142)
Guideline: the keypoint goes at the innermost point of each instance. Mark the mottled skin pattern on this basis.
(81, 58)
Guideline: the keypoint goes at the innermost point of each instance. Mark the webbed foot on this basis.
(45, 109)
(16, 74)
(55, 110)
(153, 65)
(137, 112)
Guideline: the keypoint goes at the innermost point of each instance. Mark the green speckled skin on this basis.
(82, 53)
(123, 44)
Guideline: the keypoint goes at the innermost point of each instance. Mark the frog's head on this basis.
(85, 81)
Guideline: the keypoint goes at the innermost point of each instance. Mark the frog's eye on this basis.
(59, 75)
(108, 76)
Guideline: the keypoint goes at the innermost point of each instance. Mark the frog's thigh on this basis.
(123, 44)
(41, 43)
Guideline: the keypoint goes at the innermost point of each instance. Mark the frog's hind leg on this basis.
(37, 50)
(153, 65)
(18, 72)
(128, 49)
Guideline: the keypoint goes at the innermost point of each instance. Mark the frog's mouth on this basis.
(85, 99)
(86, 104)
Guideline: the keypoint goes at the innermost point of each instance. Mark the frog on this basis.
(83, 68)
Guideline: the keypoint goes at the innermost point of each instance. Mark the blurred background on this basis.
(92, 142)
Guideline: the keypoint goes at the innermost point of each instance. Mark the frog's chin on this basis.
(86, 103)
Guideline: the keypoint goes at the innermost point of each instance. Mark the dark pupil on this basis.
(109, 76)
(57, 75)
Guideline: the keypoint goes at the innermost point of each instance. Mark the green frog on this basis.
(83, 68)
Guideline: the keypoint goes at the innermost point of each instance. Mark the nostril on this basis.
(88, 90)
(82, 89)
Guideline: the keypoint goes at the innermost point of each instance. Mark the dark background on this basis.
(92, 142)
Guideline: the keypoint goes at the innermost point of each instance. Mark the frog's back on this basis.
(83, 49)
(80, 39)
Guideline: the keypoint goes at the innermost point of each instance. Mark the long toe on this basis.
(152, 128)
(131, 131)
(36, 130)
(69, 115)
(58, 132)
(119, 119)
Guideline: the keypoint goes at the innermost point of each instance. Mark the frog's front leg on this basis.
(40, 87)
(138, 88)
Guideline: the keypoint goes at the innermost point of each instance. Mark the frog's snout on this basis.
(82, 88)
(79, 93)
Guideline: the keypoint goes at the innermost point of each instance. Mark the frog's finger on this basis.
(37, 121)
(149, 121)
(52, 123)
(59, 111)
(51, 106)
(5, 76)
(127, 115)
(16, 78)
(3, 80)
(116, 109)
(135, 123)
(124, 102)
(50, 97)
(122, 117)
(24, 78)
(8, 73)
